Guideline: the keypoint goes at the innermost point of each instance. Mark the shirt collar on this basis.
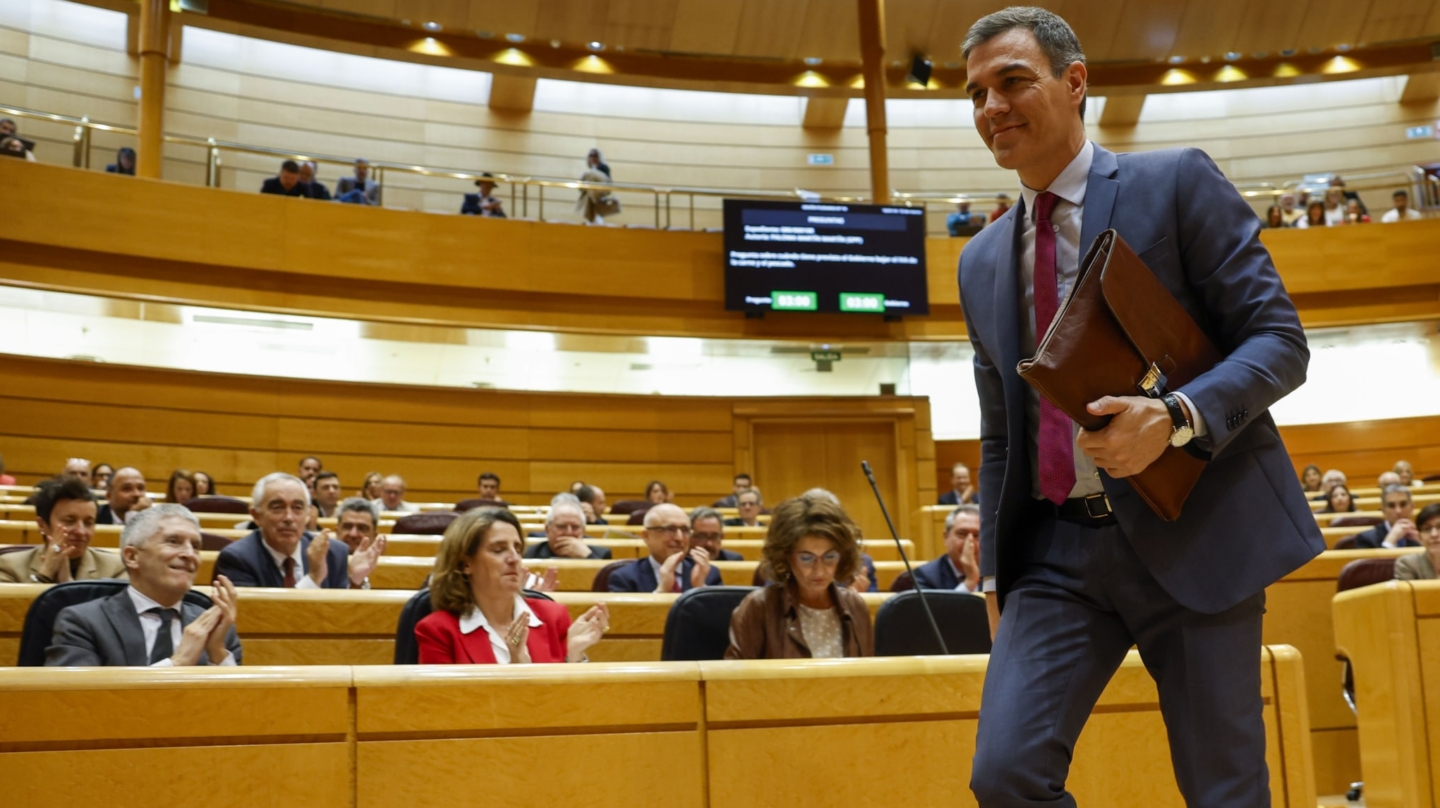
(475, 619)
(279, 557)
(144, 604)
(1069, 185)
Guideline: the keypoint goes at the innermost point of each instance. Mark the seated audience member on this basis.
(279, 553)
(592, 500)
(803, 612)
(124, 162)
(1355, 213)
(489, 487)
(310, 468)
(1423, 566)
(565, 534)
(477, 584)
(1288, 211)
(1334, 207)
(959, 567)
(181, 488)
(575, 486)
(1314, 216)
(672, 565)
(749, 505)
(1329, 480)
(1310, 479)
(962, 218)
(314, 188)
(1386, 479)
(657, 492)
(150, 623)
(15, 147)
(1407, 473)
(1339, 500)
(327, 493)
(65, 512)
(359, 524)
(124, 497)
(483, 203)
(961, 491)
(5, 479)
(1402, 212)
(358, 188)
(1275, 217)
(287, 182)
(370, 488)
(741, 482)
(100, 476)
(865, 579)
(79, 468)
(1398, 529)
(1002, 204)
(707, 531)
(392, 495)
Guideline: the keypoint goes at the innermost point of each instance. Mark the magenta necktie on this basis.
(1055, 436)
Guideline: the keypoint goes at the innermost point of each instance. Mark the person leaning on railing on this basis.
(481, 615)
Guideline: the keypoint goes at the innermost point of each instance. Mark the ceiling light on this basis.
(1288, 52)
(813, 60)
(1343, 48)
(1232, 56)
(1175, 76)
(1175, 60)
(433, 26)
(517, 38)
(1230, 73)
(596, 46)
(1204, 60)
(554, 43)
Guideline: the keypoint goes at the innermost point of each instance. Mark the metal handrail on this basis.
(1426, 187)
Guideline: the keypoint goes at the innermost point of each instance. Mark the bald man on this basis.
(669, 567)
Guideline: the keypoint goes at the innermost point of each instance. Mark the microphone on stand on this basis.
(929, 615)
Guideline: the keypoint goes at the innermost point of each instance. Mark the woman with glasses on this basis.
(810, 545)
(1423, 566)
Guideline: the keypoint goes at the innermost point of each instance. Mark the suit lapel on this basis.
(121, 614)
(476, 646)
(646, 575)
(88, 569)
(1100, 191)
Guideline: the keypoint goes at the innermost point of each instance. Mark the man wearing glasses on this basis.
(279, 553)
(707, 531)
(672, 565)
(565, 535)
(959, 567)
(749, 504)
(1398, 529)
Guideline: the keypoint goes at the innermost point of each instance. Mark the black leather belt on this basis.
(1091, 511)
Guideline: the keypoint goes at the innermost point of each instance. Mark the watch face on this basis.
(1181, 436)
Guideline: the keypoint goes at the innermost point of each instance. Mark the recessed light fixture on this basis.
(1177, 59)
(813, 60)
(1204, 60)
(596, 46)
(1232, 56)
(554, 43)
(1288, 52)
(433, 26)
(516, 38)
(1343, 48)
(485, 34)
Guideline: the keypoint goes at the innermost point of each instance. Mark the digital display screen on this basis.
(829, 257)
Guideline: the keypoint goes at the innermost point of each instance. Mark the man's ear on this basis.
(130, 556)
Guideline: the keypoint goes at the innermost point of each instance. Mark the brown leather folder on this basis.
(1121, 333)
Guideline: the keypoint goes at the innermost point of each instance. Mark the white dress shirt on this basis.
(475, 619)
(150, 624)
(302, 581)
(1393, 215)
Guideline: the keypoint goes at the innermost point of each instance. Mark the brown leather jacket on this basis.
(766, 626)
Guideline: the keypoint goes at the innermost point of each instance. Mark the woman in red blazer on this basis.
(480, 615)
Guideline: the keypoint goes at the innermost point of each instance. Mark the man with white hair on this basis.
(77, 467)
(392, 495)
(668, 567)
(149, 623)
(565, 533)
(279, 553)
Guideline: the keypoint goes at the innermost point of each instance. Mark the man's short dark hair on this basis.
(49, 493)
(325, 475)
(1426, 514)
(294, 168)
(586, 494)
(1401, 192)
(743, 476)
(1057, 39)
(359, 505)
(1397, 489)
(489, 475)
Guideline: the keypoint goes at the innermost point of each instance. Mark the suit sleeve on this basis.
(72, 645)
(994, 441)
(232, 566)
(714, 578)
(1249, 313)
(337, 576)
(471, 205)
(435, 643)
(622, 581)
(1404, 570)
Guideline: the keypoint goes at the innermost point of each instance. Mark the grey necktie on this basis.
(164, 646)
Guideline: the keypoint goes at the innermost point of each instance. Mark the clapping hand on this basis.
(517, 637)
(701, 571)
(365, 558)
(861, 582)
(196, 636)
(547, 583)
(319, 554)
(666, 583)
(970, 562)
(586, 631)
(226, 600)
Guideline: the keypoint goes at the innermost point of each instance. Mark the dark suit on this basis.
(639, 577)
(107, 632)
(246, 562)
(738, 522)
(273, 186)
(937, 574)
(1189, 593)
(542, 550)
(1374, 538)
(472, 203)
(105, 516)
(729, 555)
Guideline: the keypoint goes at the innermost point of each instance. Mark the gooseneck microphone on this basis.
(929, 615)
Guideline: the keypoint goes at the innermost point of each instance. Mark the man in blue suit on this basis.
(672, 565)
(1080, 565)
(958, 568)
(280, 554)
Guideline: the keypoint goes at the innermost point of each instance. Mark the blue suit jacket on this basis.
(1247, 522)
(1375, 538)
(246, 563)
(639, 577)
(936, 574)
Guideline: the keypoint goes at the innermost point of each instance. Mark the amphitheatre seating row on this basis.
(712, 734)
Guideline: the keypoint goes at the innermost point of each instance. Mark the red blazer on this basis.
(441, 642)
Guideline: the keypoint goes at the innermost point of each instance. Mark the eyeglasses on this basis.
(671, 530)
(1433, 530)
(706, 536)
(808, 560)
(966, 534)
